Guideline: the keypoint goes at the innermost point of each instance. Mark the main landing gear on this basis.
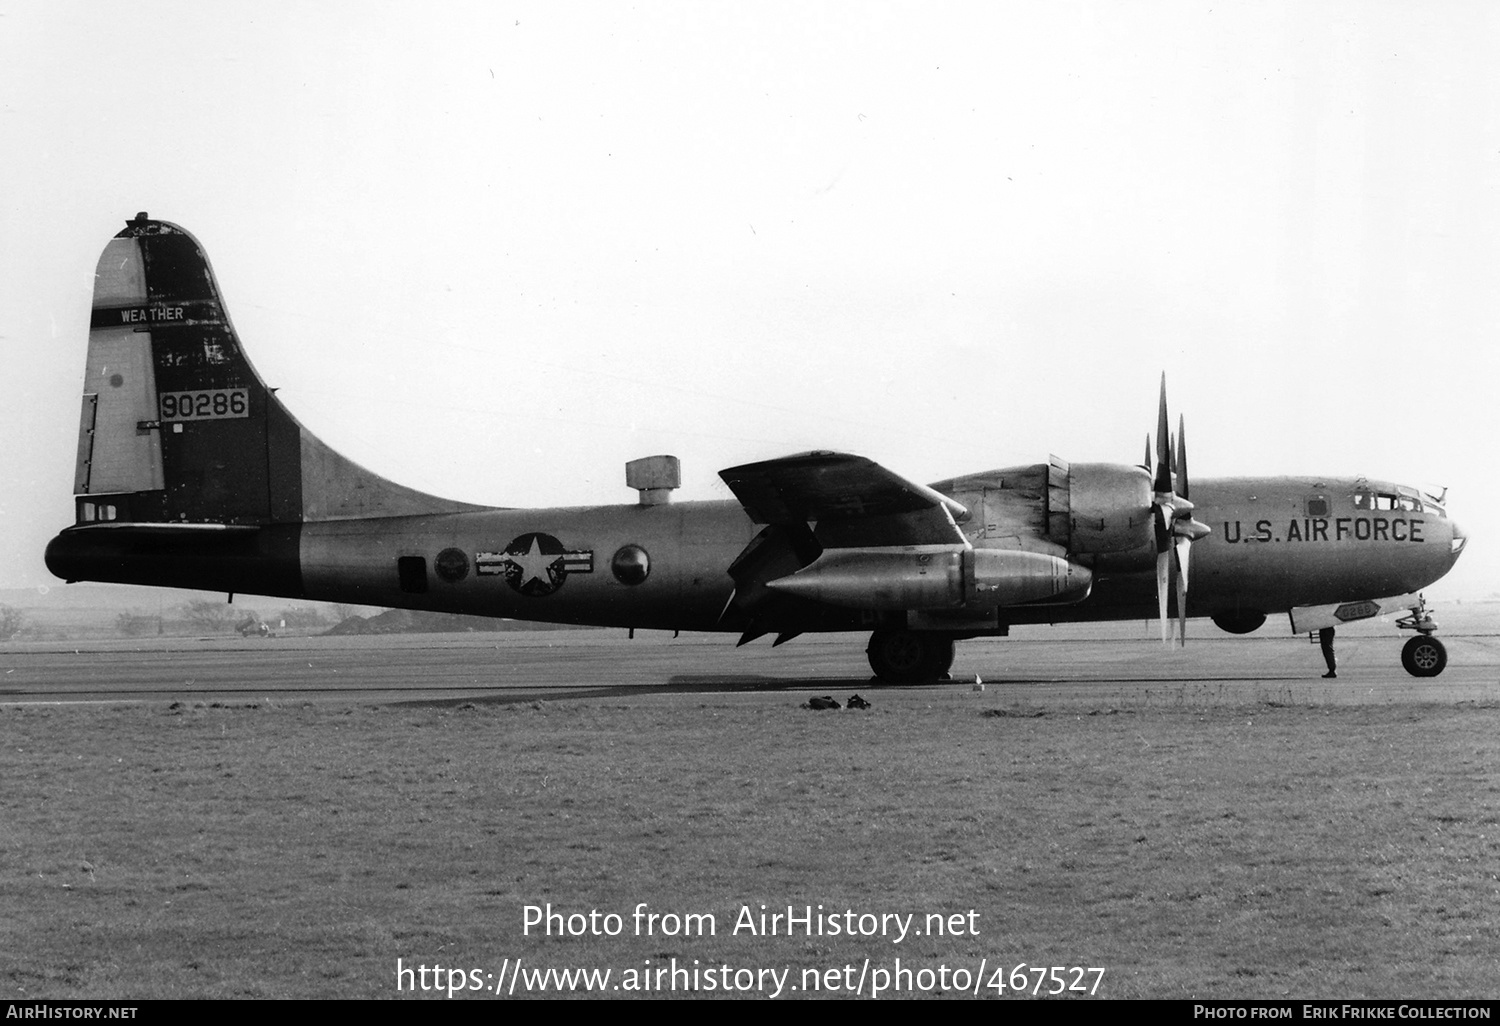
(909, 657)
(1423, 655)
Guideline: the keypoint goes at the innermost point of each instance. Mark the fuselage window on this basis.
(1317, 506)
(411, 572)
(89, 512)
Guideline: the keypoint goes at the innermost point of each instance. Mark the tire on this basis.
(909, 657)
(1424, 656)
(1240, 621)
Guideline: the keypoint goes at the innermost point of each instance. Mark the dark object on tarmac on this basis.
(1325, 641)
(825, 702)
(856, 702)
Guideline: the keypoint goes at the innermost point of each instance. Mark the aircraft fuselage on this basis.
(1265, 553)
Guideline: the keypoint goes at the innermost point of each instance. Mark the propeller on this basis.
(1176, 530)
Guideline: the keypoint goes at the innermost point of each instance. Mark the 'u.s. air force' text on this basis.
(1322, 529)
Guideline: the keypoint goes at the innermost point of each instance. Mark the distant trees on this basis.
(207, 616)
(11, 622)
(302, 616)
(133, 624)
(210, 616)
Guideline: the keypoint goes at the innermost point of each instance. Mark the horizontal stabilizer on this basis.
(122, 528)
(261, 560)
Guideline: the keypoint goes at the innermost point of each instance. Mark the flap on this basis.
(846, 495)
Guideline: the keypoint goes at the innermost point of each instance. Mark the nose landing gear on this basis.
(1423, 655)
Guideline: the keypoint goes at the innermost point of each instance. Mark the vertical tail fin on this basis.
(177, 427)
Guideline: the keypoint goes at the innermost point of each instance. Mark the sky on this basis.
(495, 250)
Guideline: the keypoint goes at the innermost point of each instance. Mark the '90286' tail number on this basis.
(205, 404)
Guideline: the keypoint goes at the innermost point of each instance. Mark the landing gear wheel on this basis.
(1424, 656)
(909, 657)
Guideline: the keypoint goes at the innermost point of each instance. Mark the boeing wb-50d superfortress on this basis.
(192, 474)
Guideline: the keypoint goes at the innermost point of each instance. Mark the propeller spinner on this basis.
(1176, 530)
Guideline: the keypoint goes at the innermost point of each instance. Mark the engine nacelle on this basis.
(895, 577)
(1006, 577)
(1111, 509)
(934, 577)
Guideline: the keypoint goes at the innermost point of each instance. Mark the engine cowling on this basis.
(1111, 510)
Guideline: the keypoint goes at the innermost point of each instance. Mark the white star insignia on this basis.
(534, 564)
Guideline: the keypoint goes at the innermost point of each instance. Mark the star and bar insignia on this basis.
(535, 564)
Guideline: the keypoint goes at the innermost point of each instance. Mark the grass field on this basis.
(1191, 844)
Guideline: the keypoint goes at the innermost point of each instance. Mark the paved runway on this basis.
(1058, 664)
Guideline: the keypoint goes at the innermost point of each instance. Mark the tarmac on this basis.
(1088, 663)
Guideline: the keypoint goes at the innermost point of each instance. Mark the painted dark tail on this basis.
(178, 427)
(180, 439)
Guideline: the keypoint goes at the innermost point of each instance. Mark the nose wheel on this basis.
(1423, 655)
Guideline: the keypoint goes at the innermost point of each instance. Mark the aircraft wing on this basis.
(854, 501)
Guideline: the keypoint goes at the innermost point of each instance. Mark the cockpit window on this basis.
(1388, 502)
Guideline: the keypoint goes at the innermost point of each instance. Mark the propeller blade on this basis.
(1182, 474)
(1183, 546)
(1163, 445)
(1163, 586)
(1172, 513)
